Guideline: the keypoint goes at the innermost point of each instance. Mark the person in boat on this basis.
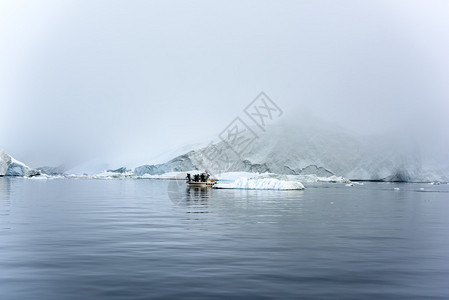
(188, 177)
(202, 177)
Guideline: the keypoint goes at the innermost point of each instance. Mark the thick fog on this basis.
(128, 82)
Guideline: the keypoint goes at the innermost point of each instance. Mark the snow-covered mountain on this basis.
(11, 167)
(302, 150)
(52, 171)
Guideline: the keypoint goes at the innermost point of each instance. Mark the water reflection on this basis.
(195, 198)
(198, 194)
(5, 203)
(5, 186)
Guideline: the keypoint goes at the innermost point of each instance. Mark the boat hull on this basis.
(200, 184)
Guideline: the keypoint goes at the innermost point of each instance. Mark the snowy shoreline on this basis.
(235, 180)
(230, 180)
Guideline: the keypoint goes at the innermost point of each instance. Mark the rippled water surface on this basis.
(141, 239)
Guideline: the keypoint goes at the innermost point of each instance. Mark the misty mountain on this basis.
(52, 171)
(121, 170)
(313, 149)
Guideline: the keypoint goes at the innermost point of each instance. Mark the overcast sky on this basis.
(126, 82)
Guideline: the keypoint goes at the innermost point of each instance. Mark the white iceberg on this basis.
(261, 184)
(5, 161)
(12, 167)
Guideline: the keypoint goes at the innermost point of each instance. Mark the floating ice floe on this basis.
(261, 184)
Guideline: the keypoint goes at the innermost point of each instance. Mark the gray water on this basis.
(145, 239)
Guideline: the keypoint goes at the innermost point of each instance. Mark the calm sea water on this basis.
(144, 239)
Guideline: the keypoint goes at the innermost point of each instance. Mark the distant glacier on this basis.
(292, 150)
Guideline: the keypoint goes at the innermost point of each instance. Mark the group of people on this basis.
(203, 177)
